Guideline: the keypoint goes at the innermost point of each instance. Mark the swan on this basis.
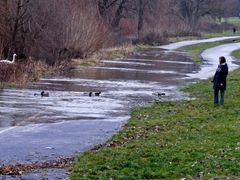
(5, 61)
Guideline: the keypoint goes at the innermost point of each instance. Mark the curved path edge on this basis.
(174, 46)
(210, 56)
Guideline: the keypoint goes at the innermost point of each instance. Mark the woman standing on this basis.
(220, 81)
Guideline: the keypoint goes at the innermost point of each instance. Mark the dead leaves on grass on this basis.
(19, 169)
(140, 133)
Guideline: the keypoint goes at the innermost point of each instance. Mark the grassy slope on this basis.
(236, 54)
(173, 140)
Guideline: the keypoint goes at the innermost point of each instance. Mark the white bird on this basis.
(5, 61)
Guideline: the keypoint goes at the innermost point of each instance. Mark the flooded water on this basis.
(68, 122)
(124, 83)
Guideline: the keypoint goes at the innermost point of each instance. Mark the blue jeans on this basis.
(216, 98)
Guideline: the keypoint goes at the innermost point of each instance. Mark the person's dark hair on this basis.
(222, 59)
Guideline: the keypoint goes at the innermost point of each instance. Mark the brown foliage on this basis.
(21, 74)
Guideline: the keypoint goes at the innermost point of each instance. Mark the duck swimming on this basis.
(97, 93)
(92, 93)
(44, 94)
(161, 94)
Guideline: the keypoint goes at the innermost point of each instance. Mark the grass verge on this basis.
(236, 54)
(203, 36)
(173, 140)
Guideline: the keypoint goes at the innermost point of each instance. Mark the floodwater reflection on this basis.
(124, 83)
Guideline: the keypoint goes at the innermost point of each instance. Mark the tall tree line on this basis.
(60, 29)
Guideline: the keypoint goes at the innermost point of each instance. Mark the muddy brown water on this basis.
(68, 122)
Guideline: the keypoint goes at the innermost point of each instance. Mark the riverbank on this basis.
(21, 74)
(184, 139)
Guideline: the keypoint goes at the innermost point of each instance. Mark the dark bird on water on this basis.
(44, 94)
(161, 94)
(97, 93)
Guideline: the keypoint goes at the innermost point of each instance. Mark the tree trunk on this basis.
(118, 14)
(140, 18)
(16, 24)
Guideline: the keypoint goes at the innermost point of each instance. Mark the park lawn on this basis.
(173, 140)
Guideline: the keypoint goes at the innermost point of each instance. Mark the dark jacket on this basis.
(220, 77)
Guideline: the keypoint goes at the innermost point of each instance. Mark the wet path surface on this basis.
(36, 129)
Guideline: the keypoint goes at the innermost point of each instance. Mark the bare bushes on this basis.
(21, 74)
(75, 31)
(86, 32)
(158, 32)
(53, 30)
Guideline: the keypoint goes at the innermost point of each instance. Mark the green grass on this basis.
(236, 54)
(204, 35)
(232, 20)
(173, 140)
(196, 50)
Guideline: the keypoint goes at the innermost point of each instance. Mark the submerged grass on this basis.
(173, 140)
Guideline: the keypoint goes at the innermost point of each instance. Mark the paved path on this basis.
(210, 56)
(177, 45)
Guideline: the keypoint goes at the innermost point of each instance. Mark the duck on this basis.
(44, 94)
(94, 93)
(97, 93)
(161, 94)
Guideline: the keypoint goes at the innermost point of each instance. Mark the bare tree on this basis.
(191, 11)
(13, 19)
